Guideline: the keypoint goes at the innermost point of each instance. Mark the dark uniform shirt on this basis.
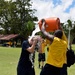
(25, 63)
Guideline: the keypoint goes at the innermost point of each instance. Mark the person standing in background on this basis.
(47, 44)
(41, 54)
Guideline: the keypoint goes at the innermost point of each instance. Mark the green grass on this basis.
(9, 59)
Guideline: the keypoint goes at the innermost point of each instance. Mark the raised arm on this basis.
(32, 48)
(45, 33)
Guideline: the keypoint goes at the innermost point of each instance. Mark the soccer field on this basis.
(9, 57)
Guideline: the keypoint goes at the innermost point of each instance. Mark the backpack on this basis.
(70, 57)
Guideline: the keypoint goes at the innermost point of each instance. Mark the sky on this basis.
(64, 9)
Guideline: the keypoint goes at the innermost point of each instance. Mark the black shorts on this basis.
(41, 57)
(50, 70)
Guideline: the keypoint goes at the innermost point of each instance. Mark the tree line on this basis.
(17, 17)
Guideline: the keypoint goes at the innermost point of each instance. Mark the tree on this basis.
(66, 27)
(17, 17)
(3, 15)
(26, 16)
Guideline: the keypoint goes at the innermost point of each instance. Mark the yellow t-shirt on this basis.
(57, 52)
(47, 41)
(43, 47)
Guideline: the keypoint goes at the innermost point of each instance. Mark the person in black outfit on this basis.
(25, 64)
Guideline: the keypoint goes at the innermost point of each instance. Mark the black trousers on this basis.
(50, 70)
(64, 70)
(25, 71)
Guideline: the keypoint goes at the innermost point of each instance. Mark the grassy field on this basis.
(9, 59)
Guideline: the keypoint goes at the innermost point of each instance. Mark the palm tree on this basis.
(70, 31)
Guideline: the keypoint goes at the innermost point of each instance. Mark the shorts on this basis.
(41, 57)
